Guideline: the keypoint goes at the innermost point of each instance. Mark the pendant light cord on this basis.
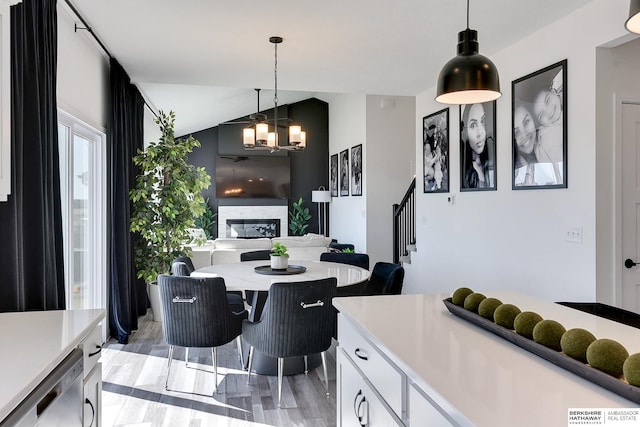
(467, 14)
(275, 96)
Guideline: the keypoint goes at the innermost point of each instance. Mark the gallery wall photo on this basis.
(344, 172)
(333, 175)
(539, 136)
(435, 149)
(356, 170)
(478, 147)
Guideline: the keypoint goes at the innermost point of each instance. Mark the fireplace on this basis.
(253, 228)
(248, 214)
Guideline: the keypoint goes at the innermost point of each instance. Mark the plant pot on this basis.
(279, 262)
(154, 299)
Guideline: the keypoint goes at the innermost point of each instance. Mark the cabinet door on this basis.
(423, 412)
(92, 414)
(358, 404)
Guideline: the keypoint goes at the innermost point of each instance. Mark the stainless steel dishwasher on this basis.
(56, 401)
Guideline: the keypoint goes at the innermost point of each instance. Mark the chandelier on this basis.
(260, 135)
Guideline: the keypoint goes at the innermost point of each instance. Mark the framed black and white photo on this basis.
(344, 172)
(478, 146)
(539, 138)
(356, 170)
(333, 165)
(435, 148)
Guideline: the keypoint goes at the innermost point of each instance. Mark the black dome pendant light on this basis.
(633, 23)
(469, 78)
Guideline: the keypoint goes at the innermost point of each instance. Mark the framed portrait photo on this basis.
(478, 146)
(344, 172)
(435, 149)
(356, 170)
(333, 175)
(539, 131)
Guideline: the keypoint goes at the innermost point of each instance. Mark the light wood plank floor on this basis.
(134, 395)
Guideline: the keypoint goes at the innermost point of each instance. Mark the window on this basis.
(83, 192)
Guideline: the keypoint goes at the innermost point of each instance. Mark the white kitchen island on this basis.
(416, 364)
(35, 342)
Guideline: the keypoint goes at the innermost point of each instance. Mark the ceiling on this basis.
(202, 58)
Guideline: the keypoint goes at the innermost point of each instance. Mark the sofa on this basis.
(225, 250)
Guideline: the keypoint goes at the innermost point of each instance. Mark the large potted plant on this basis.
(299, 218)
(166, 200)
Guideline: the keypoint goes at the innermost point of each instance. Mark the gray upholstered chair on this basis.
(386, 279)
(195, 313)
(298, 320)
(183, 266)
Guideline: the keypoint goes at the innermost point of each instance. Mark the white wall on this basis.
(389, 165)
(348, 127)
(83, 73)
(515, 239)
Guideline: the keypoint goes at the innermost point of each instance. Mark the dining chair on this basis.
(261, 255)
(357, 259)
(386, 279)
(298, 320)
(183, 266)
(196, 313)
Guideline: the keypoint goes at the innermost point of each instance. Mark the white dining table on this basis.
(242, 275)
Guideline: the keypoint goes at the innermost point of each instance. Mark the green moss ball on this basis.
(488, 306)
(631, 369)
(574, 343)
(525, 322)
(548, 333)
(459, 296)
(472, 301)
(607, 356)
(505, 314)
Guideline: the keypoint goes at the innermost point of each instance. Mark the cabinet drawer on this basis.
(358, 404)
(423, 412)
(92, 349)
(384, 376)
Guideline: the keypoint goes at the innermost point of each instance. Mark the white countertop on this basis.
(242, 275)
(477, 377)
(33, 344)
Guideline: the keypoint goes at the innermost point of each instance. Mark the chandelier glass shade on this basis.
(263, 136)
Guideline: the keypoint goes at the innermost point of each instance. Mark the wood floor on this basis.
(134, 395)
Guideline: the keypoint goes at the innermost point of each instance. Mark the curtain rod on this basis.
(95, 37)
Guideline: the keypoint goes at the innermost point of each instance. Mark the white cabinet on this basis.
(423, 412)
(92, 378)
(92, 413)
(359, 405)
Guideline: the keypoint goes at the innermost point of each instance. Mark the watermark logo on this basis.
(617, 417)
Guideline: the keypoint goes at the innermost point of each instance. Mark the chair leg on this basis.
(280, 372)
(324, 367)
(239, 341)
(249, 366)
(169, 359)
(306, 365)
(214, 357)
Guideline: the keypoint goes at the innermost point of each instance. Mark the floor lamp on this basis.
(321, 196)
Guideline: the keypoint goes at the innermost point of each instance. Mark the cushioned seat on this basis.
(195, 313)
(386, 279)
(298, 320)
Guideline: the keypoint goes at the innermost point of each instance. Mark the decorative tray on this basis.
(291, 269)
(583, 370)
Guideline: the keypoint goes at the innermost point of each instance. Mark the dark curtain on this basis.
(31, 250)
(127, 294)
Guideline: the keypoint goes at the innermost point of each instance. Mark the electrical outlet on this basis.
(573, 235)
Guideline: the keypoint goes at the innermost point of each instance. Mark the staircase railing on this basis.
(404, 223)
